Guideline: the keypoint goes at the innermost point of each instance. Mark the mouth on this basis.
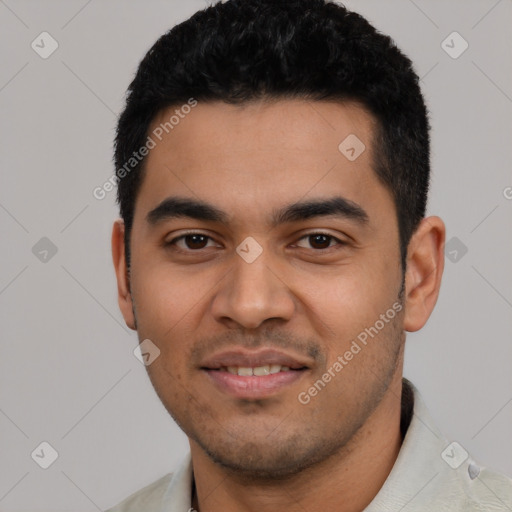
(258, 371)
(254, 375)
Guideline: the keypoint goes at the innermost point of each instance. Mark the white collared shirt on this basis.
(429, 474)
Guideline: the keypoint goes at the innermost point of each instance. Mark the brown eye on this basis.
(190, 242)
(195, 241)
(319, 241)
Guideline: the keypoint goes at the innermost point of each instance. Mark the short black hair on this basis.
(244, 50)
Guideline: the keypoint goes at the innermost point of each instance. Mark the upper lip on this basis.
(252, 359)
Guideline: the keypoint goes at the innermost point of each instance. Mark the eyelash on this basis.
(307, 235)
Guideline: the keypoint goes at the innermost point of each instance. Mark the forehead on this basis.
(262, 154)
(265, 125)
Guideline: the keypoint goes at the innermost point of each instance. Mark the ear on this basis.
(124, 296)
(425, 264)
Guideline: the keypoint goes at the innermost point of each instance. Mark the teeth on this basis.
(275, 368)
(259, 371)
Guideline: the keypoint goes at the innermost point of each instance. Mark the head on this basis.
(279, 204)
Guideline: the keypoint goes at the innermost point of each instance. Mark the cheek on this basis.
(165, 311)
(361, 289)
(351, 300)
(164, 299)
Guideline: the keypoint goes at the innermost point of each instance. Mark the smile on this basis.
(254, 383)
(259, 371)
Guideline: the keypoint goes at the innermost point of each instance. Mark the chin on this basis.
(271, 459)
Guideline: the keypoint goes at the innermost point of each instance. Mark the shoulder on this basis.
(148, 498)
(431, 473)
(491, 491)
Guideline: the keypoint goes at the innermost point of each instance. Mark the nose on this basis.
(252, 293)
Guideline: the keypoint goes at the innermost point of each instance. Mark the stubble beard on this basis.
(285, 452)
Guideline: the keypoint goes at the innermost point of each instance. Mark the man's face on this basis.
(297, 293)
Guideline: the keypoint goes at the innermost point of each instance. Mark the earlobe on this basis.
(425, 264)
(124, 296)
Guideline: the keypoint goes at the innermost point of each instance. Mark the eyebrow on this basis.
(179, 207)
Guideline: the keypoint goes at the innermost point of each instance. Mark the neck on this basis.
(346, 482)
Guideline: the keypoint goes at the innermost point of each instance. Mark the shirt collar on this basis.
(419, 461)
(178, 496)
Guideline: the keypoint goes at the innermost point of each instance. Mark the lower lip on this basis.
(254, 387)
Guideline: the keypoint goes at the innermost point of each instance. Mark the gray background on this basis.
(68, 374)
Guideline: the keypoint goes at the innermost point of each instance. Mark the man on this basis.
(273, 170)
